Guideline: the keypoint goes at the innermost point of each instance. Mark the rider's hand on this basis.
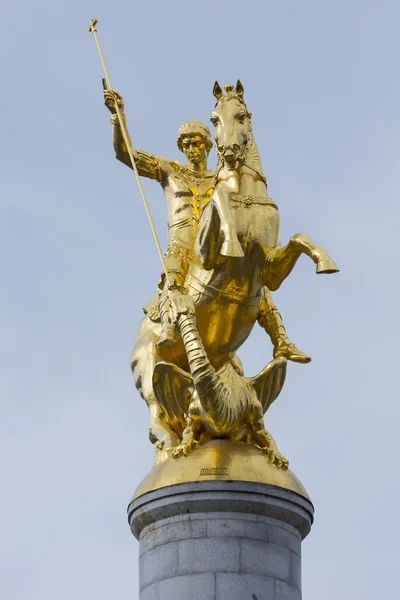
(111, 98)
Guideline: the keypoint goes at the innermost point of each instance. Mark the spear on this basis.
(128, 144)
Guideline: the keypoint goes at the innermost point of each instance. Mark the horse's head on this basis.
(232, 125)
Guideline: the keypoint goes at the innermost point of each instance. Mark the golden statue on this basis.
(223, 259)
(187, 190)
(228, 278)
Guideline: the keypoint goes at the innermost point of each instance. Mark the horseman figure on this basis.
(223, 255)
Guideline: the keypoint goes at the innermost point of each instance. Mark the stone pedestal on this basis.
(220, 540)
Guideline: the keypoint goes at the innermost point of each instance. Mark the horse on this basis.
(227, 290)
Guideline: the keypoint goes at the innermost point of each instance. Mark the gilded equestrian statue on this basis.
(227, 285)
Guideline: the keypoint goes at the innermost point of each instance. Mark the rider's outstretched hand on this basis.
(111, 98)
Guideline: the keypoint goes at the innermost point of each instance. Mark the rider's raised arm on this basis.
(148, 165)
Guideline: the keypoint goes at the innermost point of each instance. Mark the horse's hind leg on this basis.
(280, 261)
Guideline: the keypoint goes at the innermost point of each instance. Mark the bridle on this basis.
(242, 155)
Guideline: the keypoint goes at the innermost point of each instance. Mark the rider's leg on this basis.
(168, 330)
(177, 267)
(270, 319)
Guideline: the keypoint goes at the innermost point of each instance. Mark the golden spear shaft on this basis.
(92, 29)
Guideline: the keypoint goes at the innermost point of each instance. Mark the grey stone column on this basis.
(220, 540)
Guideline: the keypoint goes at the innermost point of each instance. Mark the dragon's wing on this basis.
(269, 382)
(173, 388)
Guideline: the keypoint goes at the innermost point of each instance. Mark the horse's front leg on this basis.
(209, 238)
(280, 261)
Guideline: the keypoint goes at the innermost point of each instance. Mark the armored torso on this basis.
(186, 194)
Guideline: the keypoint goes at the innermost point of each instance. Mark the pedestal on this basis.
(220, 540)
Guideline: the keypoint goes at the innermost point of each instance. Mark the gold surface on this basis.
(223, 258)
(184, 364)
(228, 460)
(218, 403)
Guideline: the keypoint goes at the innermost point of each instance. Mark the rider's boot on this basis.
(270, 319)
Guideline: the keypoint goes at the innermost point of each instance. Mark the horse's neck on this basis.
(253, 160)
(252, 178)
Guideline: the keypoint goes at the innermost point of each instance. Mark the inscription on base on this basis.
(216, 471)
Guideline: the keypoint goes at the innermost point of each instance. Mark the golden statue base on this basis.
(219, 460)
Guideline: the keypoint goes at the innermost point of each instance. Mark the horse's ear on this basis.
(217, 90)
(239, 89)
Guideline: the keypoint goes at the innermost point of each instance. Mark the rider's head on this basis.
(194, 140)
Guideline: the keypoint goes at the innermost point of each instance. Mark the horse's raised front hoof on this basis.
(232, 248)
(326, 265)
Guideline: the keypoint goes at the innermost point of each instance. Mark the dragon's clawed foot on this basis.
(162, 439)
(158, 446)
(184, 449)
(276, 458)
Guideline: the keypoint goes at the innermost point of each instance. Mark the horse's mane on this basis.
(253, 161)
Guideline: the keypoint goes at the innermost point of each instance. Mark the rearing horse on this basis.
(227, 287)
(240, 167)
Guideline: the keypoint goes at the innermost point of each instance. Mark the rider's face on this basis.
(194, 148)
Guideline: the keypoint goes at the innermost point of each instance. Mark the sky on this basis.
(78, 262)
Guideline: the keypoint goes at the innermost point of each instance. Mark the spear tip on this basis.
(92, 25)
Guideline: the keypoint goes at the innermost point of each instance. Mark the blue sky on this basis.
(78, 262)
